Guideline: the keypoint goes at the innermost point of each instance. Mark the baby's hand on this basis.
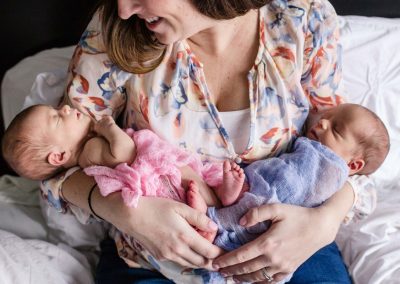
(104, 125)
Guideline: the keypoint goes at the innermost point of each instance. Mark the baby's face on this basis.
(66, 126)
(337, 129)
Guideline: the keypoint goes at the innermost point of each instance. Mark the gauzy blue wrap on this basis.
(306, 176)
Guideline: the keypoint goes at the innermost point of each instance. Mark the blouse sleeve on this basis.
(52, 193)
(320, 80)
(365, 198)
(94, 82)
(97, 86)
(322, 56)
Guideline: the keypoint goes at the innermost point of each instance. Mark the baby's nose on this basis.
(324, 123)
(66, 109)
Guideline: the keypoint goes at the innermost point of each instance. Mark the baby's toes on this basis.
(227, 166)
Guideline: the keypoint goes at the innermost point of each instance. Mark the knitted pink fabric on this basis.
(156, 167)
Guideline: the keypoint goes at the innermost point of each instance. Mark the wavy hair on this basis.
(134, 48)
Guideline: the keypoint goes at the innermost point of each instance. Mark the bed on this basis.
(35, 248)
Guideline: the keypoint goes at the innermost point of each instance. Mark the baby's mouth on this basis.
(314, 134)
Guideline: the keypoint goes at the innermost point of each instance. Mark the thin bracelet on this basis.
(90, 202)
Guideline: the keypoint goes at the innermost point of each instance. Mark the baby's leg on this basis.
(232, 185)
(199, 195)
(188, 176)
(196, 201)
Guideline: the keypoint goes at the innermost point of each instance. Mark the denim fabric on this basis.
(324, 267)
(113, 270)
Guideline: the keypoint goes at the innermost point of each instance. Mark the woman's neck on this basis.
(215, 40)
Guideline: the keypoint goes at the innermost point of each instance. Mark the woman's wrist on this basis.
(331, 214)
(113, 209)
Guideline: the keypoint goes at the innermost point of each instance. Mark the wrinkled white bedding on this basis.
(36, 261)
(371, 249)
(33, 250)
(371, 70)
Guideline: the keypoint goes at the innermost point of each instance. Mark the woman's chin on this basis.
(166, 39)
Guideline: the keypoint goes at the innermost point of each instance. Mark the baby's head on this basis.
(42, 140)
(354, 133)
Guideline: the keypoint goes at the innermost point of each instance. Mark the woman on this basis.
(227, 79)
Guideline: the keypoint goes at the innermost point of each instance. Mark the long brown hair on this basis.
(134, 48)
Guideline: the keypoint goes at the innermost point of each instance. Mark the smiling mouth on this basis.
(152, 20)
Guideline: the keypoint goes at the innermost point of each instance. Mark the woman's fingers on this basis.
(282, 247)
(197, 219)
(193, 239)
(261, 214)
(260, 275)
(256, 276)
(246, 267)
(194, 258)
(280, 276)
(239, 256)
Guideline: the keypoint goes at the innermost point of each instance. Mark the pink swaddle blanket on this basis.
(156, 162)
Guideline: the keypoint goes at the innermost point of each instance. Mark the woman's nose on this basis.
(127, 8)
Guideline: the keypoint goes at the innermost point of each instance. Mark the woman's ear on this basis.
(355, 166)
(58, 158)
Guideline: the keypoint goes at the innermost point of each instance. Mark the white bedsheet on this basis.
(33, 250)
(36, 261)
(371, 77)
(371, 66)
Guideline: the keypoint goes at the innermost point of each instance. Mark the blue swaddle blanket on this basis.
(306, 176)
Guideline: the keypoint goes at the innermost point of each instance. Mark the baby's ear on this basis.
(58, 158)
(355, 166)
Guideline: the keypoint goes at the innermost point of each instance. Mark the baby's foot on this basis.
(232, 183)
(196, 201)
(194, 198)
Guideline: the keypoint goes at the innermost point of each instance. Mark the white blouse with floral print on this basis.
(298, 67)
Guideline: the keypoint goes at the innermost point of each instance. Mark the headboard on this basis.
(36, 25)
(375, 8)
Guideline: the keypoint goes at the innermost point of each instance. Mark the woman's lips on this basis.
(153, 25)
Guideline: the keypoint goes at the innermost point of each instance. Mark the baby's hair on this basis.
(26, 149)
(375, 142)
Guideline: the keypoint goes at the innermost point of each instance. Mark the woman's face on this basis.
(170, 20)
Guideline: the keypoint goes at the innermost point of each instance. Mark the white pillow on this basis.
(371, 77)
(41, 76)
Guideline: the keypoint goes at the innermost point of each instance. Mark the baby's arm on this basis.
(112, 147)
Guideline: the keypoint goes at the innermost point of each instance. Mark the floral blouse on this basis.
(298, 67)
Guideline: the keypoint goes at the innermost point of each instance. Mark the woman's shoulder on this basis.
(284, 12)
(284, 23)
(288, 5)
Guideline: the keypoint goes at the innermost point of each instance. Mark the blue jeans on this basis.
(324, 267)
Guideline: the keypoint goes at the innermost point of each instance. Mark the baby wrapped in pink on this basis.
(154, 172)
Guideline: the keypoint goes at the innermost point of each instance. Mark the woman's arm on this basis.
(282, 248)
(153, 220)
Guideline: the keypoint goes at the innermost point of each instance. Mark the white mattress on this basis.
(371, 66)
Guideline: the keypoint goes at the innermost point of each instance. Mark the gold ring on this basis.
(266, 275)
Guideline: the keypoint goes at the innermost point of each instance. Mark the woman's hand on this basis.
(164, 228)
(295, 234)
